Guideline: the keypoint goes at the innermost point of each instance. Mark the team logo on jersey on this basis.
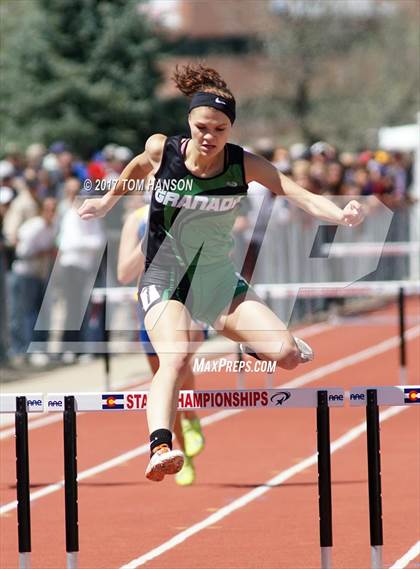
(198, 202)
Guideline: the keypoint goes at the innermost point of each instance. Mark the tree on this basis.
(338, 74)
(83, 71)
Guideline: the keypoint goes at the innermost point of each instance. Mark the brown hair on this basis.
(192, 78)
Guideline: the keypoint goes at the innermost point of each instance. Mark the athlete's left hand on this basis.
(353, 214)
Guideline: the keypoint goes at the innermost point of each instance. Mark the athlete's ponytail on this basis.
(191, 79)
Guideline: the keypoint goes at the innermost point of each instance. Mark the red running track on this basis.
(123, 517)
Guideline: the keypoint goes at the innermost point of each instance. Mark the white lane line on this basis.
(249, 497)
(314, 329)
(220, 415)
(353, 359)
(36, 423)
(112, 463)
(411, 554)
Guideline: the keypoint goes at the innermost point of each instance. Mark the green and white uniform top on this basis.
(191, 218)
(189, 235)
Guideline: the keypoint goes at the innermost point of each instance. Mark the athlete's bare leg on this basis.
(167, 324)
(195, 336)
(154, 366)
(251, 321)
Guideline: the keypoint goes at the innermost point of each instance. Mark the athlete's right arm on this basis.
(137, 169)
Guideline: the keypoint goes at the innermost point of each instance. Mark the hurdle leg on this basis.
(70, 482)
(240, 378)
(374, 473)
(324, 479)
(269, 380)
(403, 348)
(22, 483)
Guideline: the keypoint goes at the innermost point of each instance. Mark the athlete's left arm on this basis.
(262, 171)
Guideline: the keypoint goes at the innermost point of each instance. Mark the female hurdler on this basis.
(199, 183)
(187, 427)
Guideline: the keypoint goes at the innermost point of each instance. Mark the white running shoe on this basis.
(246, 350)
(164, 461)
(306, 352)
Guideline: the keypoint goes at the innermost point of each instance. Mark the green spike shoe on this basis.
(186, 476)
(193, 437)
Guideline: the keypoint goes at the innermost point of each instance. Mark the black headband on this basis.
(202, 99)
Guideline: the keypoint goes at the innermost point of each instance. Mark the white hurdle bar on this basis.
(213, 399)
(368, 249)
(337, 289)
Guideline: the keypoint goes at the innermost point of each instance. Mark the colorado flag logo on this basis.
(113, 401)
(412, 395)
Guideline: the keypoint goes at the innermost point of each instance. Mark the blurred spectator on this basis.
(35, 251)
(71, 190)
(281, 160)
(122, 157)
(322, 151)
(334, 178)
(69, 166)
(24, 206)
(6, 197)
(7, 171)
(13, 155)
(298, 151)
(80, 244)
(61, 164)
(387, 176)
(117, 159)
(7, 251)
(46, 186)
(35, 155)
(263, 205)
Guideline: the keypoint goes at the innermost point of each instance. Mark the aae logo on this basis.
(357, 396)
(336, 397)
(54, 403)
(34, 402)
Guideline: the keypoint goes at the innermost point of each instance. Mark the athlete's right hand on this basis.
(93, 207)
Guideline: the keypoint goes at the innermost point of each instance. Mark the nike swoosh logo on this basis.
(217, 100)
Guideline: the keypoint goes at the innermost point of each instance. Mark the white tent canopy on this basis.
(404, 138)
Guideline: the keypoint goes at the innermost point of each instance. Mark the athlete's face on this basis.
(210, 130)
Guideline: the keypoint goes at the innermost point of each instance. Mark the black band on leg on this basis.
(160, 437)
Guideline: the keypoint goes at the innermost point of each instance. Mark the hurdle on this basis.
(321, 399)
(372, 398)
(370, 248)
(399, 289)
(21, 405)
(70, 482)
